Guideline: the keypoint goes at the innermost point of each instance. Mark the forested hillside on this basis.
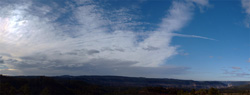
(68, 85)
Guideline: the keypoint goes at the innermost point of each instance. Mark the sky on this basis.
(181, 39)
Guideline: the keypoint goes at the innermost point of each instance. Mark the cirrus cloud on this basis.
(84, 35)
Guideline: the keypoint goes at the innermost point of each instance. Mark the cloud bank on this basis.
(82, 37)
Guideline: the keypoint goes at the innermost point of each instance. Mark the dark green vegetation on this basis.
(242, 89)
(110, 85)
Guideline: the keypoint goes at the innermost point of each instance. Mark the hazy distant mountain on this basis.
(235, 83)
(143, 82)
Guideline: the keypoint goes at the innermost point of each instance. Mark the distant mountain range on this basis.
(235, 83)
(145, 82)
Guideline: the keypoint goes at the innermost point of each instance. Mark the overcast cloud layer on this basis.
(84, 38)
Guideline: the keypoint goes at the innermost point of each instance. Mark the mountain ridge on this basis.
(111, 80)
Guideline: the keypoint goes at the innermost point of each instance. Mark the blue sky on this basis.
(181, 39)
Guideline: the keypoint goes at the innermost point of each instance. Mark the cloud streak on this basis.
(193, 36)
(237, 72)
(82, 35)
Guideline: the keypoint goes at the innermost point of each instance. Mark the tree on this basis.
(7, 89)
(24, 90)
(213, 91)
(192, 92)
(45, 91)
(201, 92)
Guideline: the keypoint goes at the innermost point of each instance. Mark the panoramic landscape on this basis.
(124, 47)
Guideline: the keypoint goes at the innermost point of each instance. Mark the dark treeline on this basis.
(41, 85)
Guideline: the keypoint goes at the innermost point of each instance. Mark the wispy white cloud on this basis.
(237, 72)
(236, 68)
(35, 36)
(202, 3)
(193, 36)
(184, 54)
(246, 6)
